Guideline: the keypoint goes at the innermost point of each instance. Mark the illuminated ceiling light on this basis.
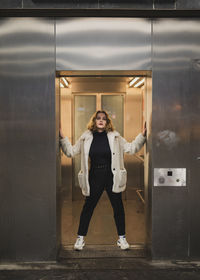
(65, 82)
(139, 83)
(133, 81)
(61, 85)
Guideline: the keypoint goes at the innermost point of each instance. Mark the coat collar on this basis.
(88, 134)
(111, 137)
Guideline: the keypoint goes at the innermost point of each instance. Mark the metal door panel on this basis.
(27, 145)
(175, 139)
(103, 44)
(194, 157)
(170, 136)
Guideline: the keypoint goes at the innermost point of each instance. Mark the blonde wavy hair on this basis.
(92, 123)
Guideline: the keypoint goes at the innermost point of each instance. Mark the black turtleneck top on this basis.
(100, 152)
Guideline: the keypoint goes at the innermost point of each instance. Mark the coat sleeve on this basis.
(68, 149)
(134, 146)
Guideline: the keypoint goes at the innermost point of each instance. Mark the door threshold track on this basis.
(103, 251)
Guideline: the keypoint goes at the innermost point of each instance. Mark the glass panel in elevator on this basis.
(84, 107)
(114, 106)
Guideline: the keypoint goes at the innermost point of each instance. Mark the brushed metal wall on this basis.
(103, 44)
(27, 142)
(27, 122)
(194, 147)
(175, 210)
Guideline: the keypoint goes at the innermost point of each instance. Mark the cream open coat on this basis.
(118, 145)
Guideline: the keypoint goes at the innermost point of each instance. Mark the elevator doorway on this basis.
(127, 107)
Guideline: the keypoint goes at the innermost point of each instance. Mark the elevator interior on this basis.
(129, 107)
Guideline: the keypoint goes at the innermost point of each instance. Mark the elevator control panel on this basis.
(175, 177)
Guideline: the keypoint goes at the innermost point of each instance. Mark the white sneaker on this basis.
(79, 244)
(122, 243)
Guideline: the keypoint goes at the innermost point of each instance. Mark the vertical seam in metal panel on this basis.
(189, 233)
(55, 42)
(55, 82)
(22, 4)
(189, 211)
(175, 4)
(153, 5)
(152, 189)
(55, 100)
(152, 46)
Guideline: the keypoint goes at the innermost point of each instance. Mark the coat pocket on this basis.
(81, 179)
(122, 177)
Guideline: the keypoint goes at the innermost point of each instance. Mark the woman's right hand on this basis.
(144, 130)
(61, 134)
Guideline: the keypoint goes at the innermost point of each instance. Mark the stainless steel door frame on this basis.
(103, 43)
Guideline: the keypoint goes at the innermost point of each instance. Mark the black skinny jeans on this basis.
(100, 179)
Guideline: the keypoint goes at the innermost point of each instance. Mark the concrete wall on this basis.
(101, 4)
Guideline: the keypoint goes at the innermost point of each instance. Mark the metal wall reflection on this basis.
(27, 142)
(103, 44)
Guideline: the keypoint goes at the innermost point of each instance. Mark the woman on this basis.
(102, 167)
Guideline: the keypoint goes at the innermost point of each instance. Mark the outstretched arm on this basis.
(67, 148)
(134, 146)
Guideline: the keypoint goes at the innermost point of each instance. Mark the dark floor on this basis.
(102, 269)
(100, 275)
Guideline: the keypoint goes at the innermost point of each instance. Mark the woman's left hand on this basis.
(61, 134)
(144, 132)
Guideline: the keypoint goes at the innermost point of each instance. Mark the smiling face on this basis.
(101, 121)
